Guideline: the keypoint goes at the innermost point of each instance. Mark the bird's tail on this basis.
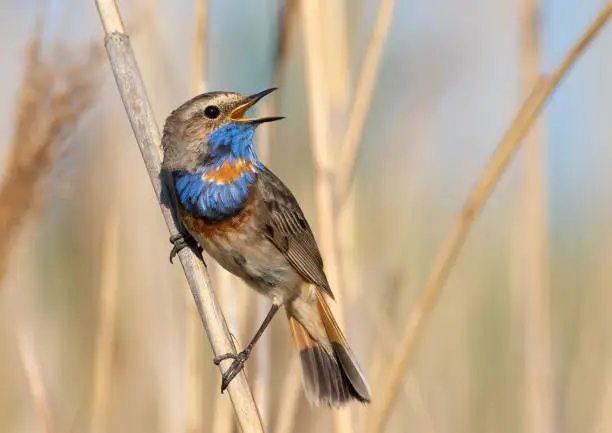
(330, 372)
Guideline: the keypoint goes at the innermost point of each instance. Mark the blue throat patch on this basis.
(220, 188)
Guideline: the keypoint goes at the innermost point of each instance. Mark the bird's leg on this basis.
(241, 357)
(180, 241)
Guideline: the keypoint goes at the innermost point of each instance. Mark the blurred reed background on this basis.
(97, 330)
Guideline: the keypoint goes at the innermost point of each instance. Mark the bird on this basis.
(238, 211)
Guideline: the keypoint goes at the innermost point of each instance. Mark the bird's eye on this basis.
(212, 111)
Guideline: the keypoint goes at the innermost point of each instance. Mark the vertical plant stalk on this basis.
(350, 146)
(105, 335)
(222, 420)
(36, 385)
(332, 174)
(538, 379)
(449, 252)
(135, 100)
(346, 203)
(319, 112)
(292, 387)
(200, 45)
(264, 361)
(291, 392)
(603, 417)
(261, 383)
(194, 349)
(195, 373)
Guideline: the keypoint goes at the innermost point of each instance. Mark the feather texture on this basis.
(322, 375)
(284, 224)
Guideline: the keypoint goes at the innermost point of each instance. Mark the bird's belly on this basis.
(248, 254)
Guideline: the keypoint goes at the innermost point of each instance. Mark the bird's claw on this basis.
(178, 243)
(235, 368)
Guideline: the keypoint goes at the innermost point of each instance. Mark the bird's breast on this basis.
(229, 172)
(217, 192)
(241, 248)
(213, 228)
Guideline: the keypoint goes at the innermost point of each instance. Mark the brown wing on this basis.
(281, 219)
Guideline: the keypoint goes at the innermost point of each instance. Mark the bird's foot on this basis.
(236, 367)
(179, 242)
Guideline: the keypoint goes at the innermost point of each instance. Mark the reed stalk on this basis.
(534, 284)
(349, 149)
(319, 113)
(105, 333)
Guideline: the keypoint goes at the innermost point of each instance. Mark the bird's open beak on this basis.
(237, 115)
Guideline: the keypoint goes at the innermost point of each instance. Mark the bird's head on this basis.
(209, 127)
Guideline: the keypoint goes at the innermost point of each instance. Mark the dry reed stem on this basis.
(319, 113)
(263, 354)
(603, 415)
(194, 349)
(448, 254)
(225, 284)
(146, 131)
(51, 100)
(36, 385)
(199, 53)
(538, 379)
(333, 26)
(195, 371)
(291, 392)
(262, 380)
(283, 38)
(363, 97)
(105, 335)
(264, 361)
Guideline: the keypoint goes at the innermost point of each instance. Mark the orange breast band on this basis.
(228, 172)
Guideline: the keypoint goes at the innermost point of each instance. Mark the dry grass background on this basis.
(94, 326)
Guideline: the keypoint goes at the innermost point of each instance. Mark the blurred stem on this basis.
(283, 39)
(291, 393)
(222, 421)
(603, 417)
(264, 345)
(195, 373)
(31, 367)
(319, 112)
(349, 149)
(264, 352)
(105, 335)
(146, 131)
(194, 349)
(262, 379)
(448, 254)
(199, 47)
(534, 284)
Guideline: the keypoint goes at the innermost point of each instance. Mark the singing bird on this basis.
(244, 217)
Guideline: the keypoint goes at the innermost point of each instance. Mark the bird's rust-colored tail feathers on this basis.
(331, 377)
